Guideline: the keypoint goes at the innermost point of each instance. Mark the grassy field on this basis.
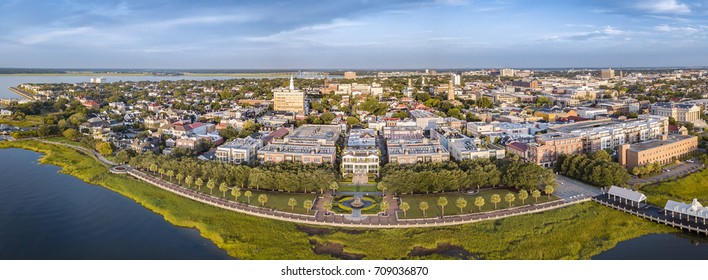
(27, 122)
(685, 189)
(576, 232)
(434, 210)
(276, 200)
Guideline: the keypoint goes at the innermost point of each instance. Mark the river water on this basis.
(48, 215)
(680, 246)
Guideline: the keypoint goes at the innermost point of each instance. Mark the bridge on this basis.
(654, 214)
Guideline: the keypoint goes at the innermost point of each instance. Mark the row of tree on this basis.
(452, 176)
(289, 177)
(597, 169)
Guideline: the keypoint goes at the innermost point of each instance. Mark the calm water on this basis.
(659, 247)
(7, 81)
(48, 215)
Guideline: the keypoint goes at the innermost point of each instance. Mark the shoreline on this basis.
(270, 239)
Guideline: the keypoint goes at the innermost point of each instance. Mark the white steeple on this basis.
(292, 84)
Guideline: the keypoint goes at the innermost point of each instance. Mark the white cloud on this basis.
(302, 32)
(216, 19)
(663, 7)
(53, 34)
(605, 33)
(676, 29)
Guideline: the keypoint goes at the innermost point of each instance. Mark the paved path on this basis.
(570, 189)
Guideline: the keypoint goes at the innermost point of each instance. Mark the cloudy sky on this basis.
(351, 34)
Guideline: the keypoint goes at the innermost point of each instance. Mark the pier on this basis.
(20, 93)
(654, 214)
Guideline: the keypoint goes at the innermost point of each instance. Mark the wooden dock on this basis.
(656, 215)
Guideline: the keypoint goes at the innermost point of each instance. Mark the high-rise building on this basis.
(607, 73)
(507, 72)
(457, 79)
(350, 75)
(451, 90)
(289, 100)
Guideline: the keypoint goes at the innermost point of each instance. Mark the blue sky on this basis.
(339, 34)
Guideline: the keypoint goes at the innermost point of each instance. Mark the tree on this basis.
(442, 202)
(262, 198)
(423, 207)
(161, 171)
(189, 180)
(523, 195)
(384, 206)
(104, 148)
(179, 178)
(72, 134)
(170, 174)
(485, 102)
(236, 192)
(248, 195)
(536, 194)
(153, 168)
(334, 186)
(211, 185)
(223, 187)
(479, 202)
(405, 207)
(461, 203)
(123, 156)
(199, 183)
(509, 198)
(307, 204)
(292, 202)
(327, 206)
(382, 187)
(495, 199)
(549, 189)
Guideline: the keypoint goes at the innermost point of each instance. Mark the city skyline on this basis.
(354, 35)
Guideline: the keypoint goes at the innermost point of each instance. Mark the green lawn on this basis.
(434, 210)
(276, 200)
(354, 188)
(684, 189)
(23, 123)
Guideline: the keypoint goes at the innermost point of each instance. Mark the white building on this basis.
(240, 150)
(471, 149)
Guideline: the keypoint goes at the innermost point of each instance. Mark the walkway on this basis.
(570, 189)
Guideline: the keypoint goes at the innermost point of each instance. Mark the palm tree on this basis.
(292, 202)
(549, 190)
(423, 206)
(382, 187)
(262, 198)
(384, 206)
(495, 199)
(509, 198)
(307, 204)
(170, 174)
(479, 202)
(327, 205)
(223, 187)
(334, 186)
(199, 183)
(442, 202)
(236, 192)
(211, 185)
(189, 180)
(405, 207)
(523, 195)
(248, 195)
(461, 203)
(153, 168)
(161, 172)
(179, 178)
(536, 194)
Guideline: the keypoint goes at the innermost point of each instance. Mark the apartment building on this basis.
(610, 133)
(240, 150)
(664, 150)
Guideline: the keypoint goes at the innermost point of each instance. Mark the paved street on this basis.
(570, 189)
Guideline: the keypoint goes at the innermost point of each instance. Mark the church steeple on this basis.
(292, 83)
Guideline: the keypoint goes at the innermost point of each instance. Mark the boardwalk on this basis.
(655, 214)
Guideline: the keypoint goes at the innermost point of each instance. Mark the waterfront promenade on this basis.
(655, 214)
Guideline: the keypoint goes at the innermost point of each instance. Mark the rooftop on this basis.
(655, 143)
